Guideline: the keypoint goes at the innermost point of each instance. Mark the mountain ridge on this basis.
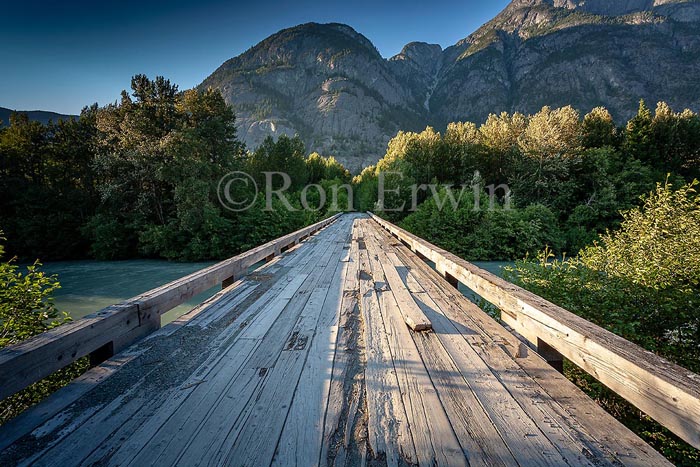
(329, 84)
(43, 116)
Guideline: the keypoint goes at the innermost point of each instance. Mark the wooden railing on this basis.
(114, 328)
(666, 392)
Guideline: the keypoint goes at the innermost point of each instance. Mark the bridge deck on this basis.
(309, 361)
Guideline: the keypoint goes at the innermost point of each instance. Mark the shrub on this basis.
(487, 233)
(26, 309)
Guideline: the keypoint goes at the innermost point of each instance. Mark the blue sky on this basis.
(63, 55)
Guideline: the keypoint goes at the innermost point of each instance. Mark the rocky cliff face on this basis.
(325, 82)
(329, 84)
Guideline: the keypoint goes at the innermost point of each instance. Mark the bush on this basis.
(641, 281)
(26, 309)
(485, 234)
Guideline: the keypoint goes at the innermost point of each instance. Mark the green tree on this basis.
(160, 156)
(499, 137)
(676, 138)
(365, 189)
(285, 155)
(47, 185)
(480, 231)
(325, 168)
(462, 141)
(550, 148)
(599, 129)
(638, 136)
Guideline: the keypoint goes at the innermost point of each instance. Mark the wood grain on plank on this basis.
(433, 437)
(388, 430)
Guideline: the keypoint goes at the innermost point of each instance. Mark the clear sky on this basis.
(62, 55)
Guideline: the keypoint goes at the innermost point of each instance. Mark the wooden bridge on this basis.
(344, 348)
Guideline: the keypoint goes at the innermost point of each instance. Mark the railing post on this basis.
(551, 355)
(237, 273)
(439, 267)
(101, 354)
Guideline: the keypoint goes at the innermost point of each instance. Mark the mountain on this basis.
(326, 82)
(330, 85)
(36, 115)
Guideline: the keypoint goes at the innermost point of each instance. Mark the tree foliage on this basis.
(584, 170)
(484, 233)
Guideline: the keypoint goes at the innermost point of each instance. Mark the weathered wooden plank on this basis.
(504, 368)
(479, 437)
(61, 399)
(302, 436)
(82, 434)
(256, 443)
(432, 431)
(38, 357)
(81, 431)
(170, 429)
(283, 329)
(667, 392)
(185, 419)
(191, 429)
(202, 315)
(93, 430)
(209, 440)
(387, 424)
(104, 432)
(603, 436)
(520, 388)
(412, 314)
(433, 437)
(257, 439)
(262, 322)
(338, 396)
(522, 435)
(167, 431)
(310, 307)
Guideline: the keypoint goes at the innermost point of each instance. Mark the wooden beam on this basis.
(665, 391)
(412, 315)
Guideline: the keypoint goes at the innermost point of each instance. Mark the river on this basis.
(88, 286)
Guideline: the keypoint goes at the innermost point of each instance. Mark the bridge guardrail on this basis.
(665, 391)
(107, 331)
